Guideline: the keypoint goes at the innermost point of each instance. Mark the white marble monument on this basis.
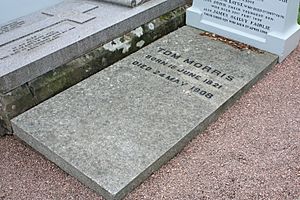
(270, 25)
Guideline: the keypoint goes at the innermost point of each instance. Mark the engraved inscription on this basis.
(196, 77)
(37, 40)
(45, 31)
(11, 26)
(252, 15)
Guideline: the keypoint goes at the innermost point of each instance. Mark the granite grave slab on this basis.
(130, 3)
(270, 25)
(33, 45)
(112, 130)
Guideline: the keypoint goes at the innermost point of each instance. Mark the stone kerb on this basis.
(270, 25)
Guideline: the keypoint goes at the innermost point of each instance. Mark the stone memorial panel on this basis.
(36, 44)
(11, 26)
(115, 128)
(270, 25)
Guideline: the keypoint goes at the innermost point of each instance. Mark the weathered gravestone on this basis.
(270, 25)
(114, 129)
(36, 44)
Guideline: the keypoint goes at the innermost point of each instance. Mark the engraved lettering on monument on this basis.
(140, 111)
(93, 27)
(36, 40)
(11, 26)
(204, 80)
(266, 24)
(245, 14)
(47, 30)
(41, 39)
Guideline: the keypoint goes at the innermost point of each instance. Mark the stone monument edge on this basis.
(72, 49)
(58, 161)
(281, 45)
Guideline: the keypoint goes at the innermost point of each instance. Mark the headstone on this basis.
(114, 129)
(36, 44)
(270, 25)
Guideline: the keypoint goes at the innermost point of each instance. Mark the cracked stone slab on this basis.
(36, 44)
(112, 130)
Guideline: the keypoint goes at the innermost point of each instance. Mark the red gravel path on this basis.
(251, 152)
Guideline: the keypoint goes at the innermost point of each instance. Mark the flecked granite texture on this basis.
(250, 152)
(57, 35)
(43, 87)
(115, 128)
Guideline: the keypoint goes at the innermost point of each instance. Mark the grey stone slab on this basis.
(35, 44)
(47, 85)
(114, 129)
(130, 3)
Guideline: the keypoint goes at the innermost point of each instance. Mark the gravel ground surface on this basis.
(251, 152)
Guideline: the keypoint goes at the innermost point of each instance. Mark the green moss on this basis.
(299, 16)
(14, 103)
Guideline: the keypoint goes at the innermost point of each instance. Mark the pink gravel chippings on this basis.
(251, 152)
